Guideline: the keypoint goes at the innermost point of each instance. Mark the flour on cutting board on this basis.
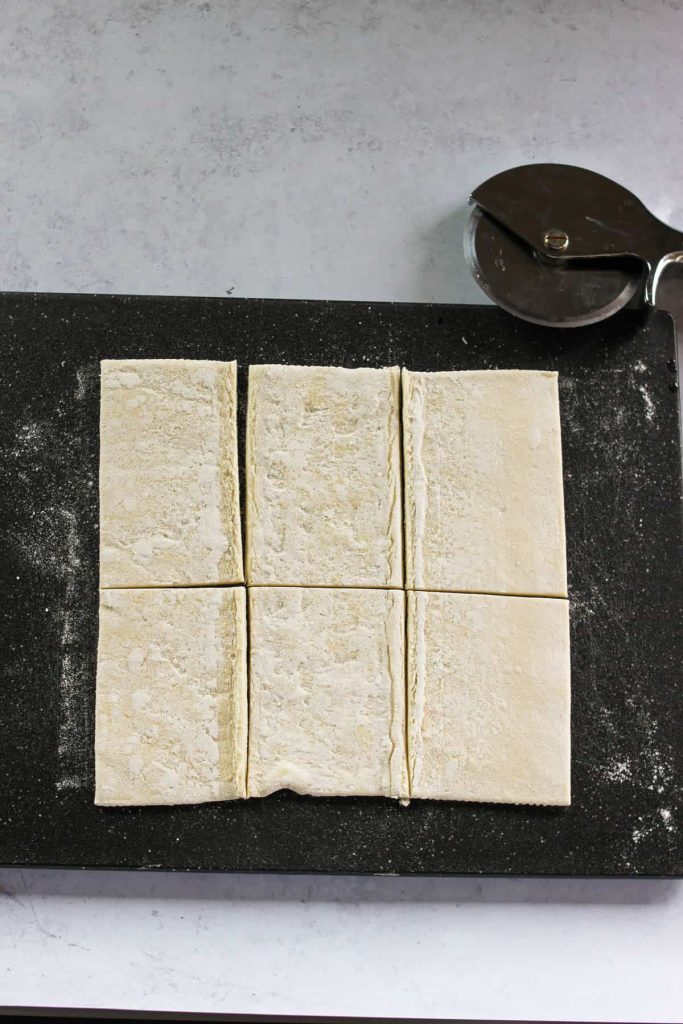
(650, 410)
(73, 680)
(618, 771)
(614, 423)
(51, 546)
(49, 542)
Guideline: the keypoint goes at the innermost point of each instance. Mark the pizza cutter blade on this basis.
(563, 246)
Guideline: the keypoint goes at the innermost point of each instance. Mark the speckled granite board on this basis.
(623, 507)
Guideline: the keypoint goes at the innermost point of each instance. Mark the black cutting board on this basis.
(623, 507)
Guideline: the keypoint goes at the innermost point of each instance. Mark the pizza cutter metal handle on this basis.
(655, 275)
(566, 213)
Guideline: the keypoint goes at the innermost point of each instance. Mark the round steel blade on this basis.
(554, 293)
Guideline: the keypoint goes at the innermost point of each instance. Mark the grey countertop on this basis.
(322, 149)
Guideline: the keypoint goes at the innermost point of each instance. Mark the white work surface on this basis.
(322, 149)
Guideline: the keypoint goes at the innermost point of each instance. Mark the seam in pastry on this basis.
(486, 593)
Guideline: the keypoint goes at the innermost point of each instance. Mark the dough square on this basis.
(488, 698)
(484, 505)
(324, 477)
(171, 717)
(169, 487)
(326, 692)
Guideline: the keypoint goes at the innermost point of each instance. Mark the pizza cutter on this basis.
(563, 246)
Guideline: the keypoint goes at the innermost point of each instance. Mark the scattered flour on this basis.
(618, 771)
(666, 817)
(650, 410)
(71, 681)
(49, 542)
(646, 828)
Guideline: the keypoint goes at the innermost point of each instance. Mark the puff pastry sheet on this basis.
(327, 694)
(484, 507)
(324, 477)
(488, 698)
(169, 490)
(171, 718)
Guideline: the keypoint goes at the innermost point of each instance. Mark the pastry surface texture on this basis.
(326, 692)
(324, 477)
(171, 709)
(488, 681)
(484, 505)
(169, 486)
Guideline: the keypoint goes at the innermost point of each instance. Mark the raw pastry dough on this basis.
(171, 722)
(169, 490)
(326, 692)
(484, 509)
(324, 477)
(488, 698)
